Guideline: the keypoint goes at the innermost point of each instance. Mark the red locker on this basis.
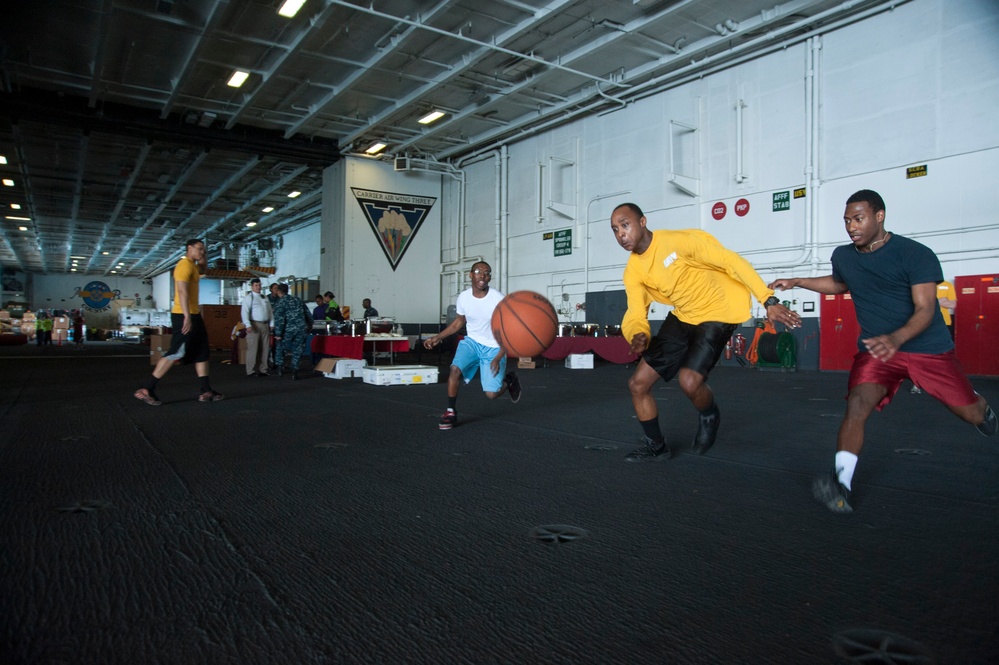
(976, 323)
(838, 332)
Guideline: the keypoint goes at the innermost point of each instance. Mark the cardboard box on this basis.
(526, 363)
(579, 361)
(399, 375)
(158, 345)
(60, 322)
(341, 368)
(4, 315)
(60, 335)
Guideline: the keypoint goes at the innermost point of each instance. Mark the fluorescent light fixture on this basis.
(78, 257)
(430, 117)
(238, 78)
(251, 224)
(72, 269)
(294, 195)
(105, 253)
(290, 7)
(268, 209)
(3, 160)
(376, 148)
(19, 219)
(22, 228)
(15, 206)
(113, 272)
(8, 182)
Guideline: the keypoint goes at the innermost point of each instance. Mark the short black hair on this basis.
(632, 207)
(868, 196)
(255, 280)
(195, 241)
(283, 288)
(480, 263)
(329, 294)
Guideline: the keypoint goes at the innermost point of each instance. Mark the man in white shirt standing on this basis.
(256, 313)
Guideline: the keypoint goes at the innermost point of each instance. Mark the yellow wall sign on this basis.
(799, 193)
(915, 171)
(548, 236)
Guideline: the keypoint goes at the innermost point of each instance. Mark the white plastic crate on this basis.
(399, 375)
(579, 361)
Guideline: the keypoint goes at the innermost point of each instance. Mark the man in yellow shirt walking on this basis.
(709, 288)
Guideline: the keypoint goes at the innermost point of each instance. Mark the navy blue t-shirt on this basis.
(880, 284)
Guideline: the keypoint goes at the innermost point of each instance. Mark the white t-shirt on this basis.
(478, 313)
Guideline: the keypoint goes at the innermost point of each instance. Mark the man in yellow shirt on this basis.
(709, 288)
(189, 341)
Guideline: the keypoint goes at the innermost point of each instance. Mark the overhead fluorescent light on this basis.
(251, 224)
(22, 228)
(72, 269)
(290, 7)
(430, 117)
(294, 195)
(15, 206)
(78, 257)
(8, 182)
(376, 148)
(3, 160)
(19, 219)
(268, 209)
(105, 253)
(238, 78)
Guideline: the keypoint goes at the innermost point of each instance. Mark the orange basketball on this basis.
(525, 323)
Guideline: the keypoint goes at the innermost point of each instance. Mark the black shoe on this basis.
(833, 494)
(513, 386)
(294, 375)
(707, 430)
(448, 420)
(650, 452)
(280, 370)
(989, 425)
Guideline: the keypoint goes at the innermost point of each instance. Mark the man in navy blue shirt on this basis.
(893, 282)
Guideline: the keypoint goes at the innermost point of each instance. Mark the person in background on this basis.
(189, 341)
(291, 327)
(369, 311)
(256, 316)
(893, 282)
(333, 312)
(319, 311)
(77, 316)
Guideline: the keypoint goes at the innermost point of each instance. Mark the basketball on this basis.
(525, 323)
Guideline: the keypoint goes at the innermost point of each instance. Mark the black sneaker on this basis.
(829, 491)
(989, 425)
(448, 420)
(650, 452)
(707, 430)
(513, 386)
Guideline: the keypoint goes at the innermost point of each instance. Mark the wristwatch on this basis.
(771, 301)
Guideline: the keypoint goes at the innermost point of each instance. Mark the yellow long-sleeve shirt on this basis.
(692, 271)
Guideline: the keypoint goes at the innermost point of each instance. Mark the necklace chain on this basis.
(870, 248)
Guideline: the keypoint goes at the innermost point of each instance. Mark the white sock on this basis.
(846, 464)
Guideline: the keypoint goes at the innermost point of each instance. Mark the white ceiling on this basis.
(123, 139)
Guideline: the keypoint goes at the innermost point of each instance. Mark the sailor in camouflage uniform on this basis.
(291, 327)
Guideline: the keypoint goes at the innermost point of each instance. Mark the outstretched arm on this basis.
(825, 284)
(455, 326)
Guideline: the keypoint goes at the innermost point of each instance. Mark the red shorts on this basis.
(939, 375)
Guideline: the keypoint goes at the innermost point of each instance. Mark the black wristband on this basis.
(771, 301)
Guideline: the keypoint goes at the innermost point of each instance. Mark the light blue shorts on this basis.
(471, 357)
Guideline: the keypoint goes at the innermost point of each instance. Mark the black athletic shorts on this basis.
(678, 344)
(192, 347)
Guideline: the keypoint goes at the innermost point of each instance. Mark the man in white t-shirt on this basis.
(478, 351)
